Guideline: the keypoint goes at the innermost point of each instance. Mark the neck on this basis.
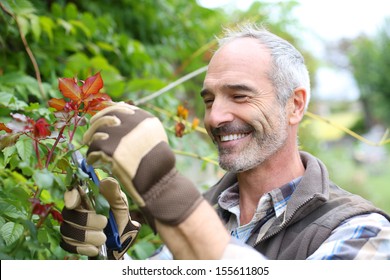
(278, 170)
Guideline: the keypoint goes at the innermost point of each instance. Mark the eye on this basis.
(208, 101)
(240, 98)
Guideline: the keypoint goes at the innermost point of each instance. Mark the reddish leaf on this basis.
(56, 215)
(40, 209)
(92, 85)
(69, 88)
(41, 128)
(5, 128)
(57, 103)
(71, 106)
(97, 102)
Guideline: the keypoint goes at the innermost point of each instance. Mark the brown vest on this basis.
(316, 207)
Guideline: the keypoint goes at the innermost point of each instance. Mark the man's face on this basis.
(242, 115)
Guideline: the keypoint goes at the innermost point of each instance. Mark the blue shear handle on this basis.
(111, 230)
(90, 171)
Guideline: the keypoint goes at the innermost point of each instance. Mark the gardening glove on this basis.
(127, 228)
(82, 229)
(134, 145)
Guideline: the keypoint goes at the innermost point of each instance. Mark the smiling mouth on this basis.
(232, 137)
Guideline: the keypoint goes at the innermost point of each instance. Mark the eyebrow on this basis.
(235, 87)
(204, 92)
(240, 87)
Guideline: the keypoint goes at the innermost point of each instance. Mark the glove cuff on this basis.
(171, 200)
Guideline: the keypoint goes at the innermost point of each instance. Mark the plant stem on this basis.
(50, 155)
(28, 50)
(76, 122)
(171, 86)
(350, 132)
(36, 148)
(174, 117)
(178, 152)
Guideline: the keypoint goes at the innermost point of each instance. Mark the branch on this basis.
(178, 152)
(28, 50)
(382, 142)
(174, 117)
(171, 86)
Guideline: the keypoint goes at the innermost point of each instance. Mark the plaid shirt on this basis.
(361, 237)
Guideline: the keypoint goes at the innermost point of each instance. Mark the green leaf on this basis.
(27, 170)
(18, 177)
(71, 11)
(5, 97)
(24, 25)
(11, 232)
(22, 7)
(47, 26)
(35, 26)
(11, 102)
(81, 26)
(2, 221)
(106, 46)
(24, 148)
(11, 211)
(8, 152)
(16, 78)
(143, 249)
(101, 205)
(43, 178)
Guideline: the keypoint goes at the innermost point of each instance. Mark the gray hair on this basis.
(288, 66)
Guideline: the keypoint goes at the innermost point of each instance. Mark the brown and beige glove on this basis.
(134, 144)
(82, 230)
(127, 228)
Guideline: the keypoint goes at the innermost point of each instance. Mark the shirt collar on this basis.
(277, 198)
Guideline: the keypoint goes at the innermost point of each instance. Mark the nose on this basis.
(219, 113)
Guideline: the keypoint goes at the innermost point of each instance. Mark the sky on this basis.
(329, 21)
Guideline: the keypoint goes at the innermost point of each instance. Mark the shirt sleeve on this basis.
(235, 250)
(361, 237)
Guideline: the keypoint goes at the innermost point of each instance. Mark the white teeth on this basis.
(231, 137)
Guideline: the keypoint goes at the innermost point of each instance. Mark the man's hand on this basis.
(134, 145)
(127, 228)
(82, 231)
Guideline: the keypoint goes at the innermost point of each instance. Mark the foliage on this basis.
(40, 41)
(370, 59)
(137, 48)
(29, 226)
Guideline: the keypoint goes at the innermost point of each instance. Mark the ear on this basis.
(298, 101)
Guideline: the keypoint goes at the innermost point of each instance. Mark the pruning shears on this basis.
(111, 230)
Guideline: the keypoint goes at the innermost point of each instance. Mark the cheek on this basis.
(207, 126)
(256, 114)
(264, 118)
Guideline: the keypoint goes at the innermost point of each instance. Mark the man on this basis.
(275, 199)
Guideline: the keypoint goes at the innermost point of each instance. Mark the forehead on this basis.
(243, 59)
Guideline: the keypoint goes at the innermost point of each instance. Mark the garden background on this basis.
(153, 54)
